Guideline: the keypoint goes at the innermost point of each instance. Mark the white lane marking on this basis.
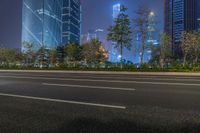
(139, 78)
(63, 101)
(108, 81)
(124, 78)
(94, 87)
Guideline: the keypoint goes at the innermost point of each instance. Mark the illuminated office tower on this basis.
(113, 51)
(151, 27)
(95, 34)
(71, 21)
(100, 35)
(152, 36)
(181, 15)
(91, 35)
(50, 23)
(116, 10)
(42, 23)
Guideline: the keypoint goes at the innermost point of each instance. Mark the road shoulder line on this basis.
(85, 86)
(63, 101)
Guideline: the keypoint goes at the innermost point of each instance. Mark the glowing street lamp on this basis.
(152, 13)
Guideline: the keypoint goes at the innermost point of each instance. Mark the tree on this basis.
(52, 53)
(196, 46)
(155, 55)
(2, 56)
(73, 53)
(8, 57)
(141, 28)
(60, 54)
(42, 57)
(186, 41)
(120, 32)
(28, 53)
(165, 49)
(94, 53)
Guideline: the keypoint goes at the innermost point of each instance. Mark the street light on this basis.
(152, 13)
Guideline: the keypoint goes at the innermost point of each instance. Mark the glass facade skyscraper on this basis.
(116, 10)
(71, 18)
(113, 52)
(181, 15)
(51, 23)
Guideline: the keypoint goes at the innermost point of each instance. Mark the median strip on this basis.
(63, 101)
(93, 87)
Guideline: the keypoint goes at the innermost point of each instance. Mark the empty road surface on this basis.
(50, 102)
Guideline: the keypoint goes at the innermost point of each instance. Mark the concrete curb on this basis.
(108, 72)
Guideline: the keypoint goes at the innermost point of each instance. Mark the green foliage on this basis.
(93, 53)
(8, 57)
(60, 54)
(73, 53)
(28, 53)
(120, 32)
(165, 49)
(141, 28)
(190, 45)
(42, 57)
(52, 57)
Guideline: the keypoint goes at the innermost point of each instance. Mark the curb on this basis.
(106, 72)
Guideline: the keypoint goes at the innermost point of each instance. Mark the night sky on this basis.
(96, 14)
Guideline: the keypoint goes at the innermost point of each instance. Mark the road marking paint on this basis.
(94, 87)
(139, 78)
(163, 78)
(108, 81)
(124, 78)
(63, 101)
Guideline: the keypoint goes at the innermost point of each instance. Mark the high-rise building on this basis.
(181, 15)
(94, 34)
(99, 34)
(71, 18)
(116, 10)
(51, 23)
(113, 52)
(152, 36)
(91, 35)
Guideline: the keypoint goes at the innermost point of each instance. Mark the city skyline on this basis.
(50, 23)
(99, 66)
(13, 18)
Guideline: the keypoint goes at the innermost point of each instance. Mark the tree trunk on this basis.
(134, 54)
(184, 60)
(121, 52)
(162, 63)
(196, 60)
(142, 53)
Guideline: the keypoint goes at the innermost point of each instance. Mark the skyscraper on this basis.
(152, 36)
(116, 10)
(71, 18)
(181, 15)
(151, 28)
(51, 23)
(91, 35)
(113, 52)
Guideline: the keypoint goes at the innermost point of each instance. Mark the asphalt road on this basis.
(98, 103)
